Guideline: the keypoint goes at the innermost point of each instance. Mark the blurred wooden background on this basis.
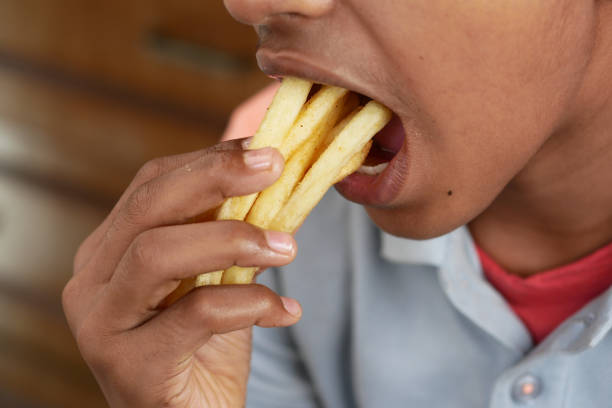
(89, 91)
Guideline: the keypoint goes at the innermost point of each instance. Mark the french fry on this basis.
(244, 275)
(271, 200)
(279, 118)
(323, 140)
(355, 162)
(183, 288)
(308, 134)
(349, 143)
(239, 275)
(325, 171)
(319, 115)
(210, 278)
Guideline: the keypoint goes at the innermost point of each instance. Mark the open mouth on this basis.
(386, 144)
(379, 179)
(384, 173)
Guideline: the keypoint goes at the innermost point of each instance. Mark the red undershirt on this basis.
(545, 300)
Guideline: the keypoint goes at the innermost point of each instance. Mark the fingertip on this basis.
(280, 242)
(278, 164)
(265, 159)
(292, 306)
(277, 161)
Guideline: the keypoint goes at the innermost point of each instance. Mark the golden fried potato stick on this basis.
(239, 275)
(186, 285)
(279, 119)
(277, 122)
(355, 163)
(320, 114)
(325, 156)
(368, 121)
(303, 144)
(271, 200)
(349, 143)
(244, 275)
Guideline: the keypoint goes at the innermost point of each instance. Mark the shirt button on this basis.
(526, 388)
(588, 319)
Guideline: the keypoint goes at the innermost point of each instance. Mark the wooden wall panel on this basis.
(187, 52)
(39, 232)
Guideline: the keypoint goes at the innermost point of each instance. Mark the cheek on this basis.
(495, 65)
(497, 96)
(487, 88)
(487, 79)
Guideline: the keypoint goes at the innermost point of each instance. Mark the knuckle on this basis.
(222, 191)
(140, 202)
(79, 257)
(84, 252)
(143, 250)
(225, 167)
(217, 158)
(69, 297)
(151, 169)
(229, 160)
(244, 238)
(266, 299)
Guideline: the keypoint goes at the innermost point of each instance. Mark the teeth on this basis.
(373, 170)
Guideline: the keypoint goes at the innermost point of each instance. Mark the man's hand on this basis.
(197, 351)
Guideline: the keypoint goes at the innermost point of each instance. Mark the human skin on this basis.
(502, 102)
(506, 104)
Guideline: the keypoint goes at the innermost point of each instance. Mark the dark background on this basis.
(89, 91)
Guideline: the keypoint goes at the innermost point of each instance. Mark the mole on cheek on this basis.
(450, 193)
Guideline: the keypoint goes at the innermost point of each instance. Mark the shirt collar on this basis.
(463, 282)
(461, 278)
(407, 251)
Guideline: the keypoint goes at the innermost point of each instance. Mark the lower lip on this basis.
(381, 189)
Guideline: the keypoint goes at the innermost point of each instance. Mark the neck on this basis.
(559, 208)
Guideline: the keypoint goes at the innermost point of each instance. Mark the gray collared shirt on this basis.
(392, 322)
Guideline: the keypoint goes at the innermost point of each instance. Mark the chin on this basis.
(416, 222)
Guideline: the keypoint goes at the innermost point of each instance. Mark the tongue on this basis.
(391, 137)
(386, 143)
(377, 156)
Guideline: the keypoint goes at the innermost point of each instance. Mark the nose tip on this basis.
(255, 12)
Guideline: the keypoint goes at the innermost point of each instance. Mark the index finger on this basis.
(178, 196)
(149, 171)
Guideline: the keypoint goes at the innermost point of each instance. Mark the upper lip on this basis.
(287, 63)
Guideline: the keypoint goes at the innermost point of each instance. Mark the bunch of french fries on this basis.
(323, 139)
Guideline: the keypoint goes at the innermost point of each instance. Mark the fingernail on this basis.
(291, 306)
(247, 142)
(279, 241)
(260, 159)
